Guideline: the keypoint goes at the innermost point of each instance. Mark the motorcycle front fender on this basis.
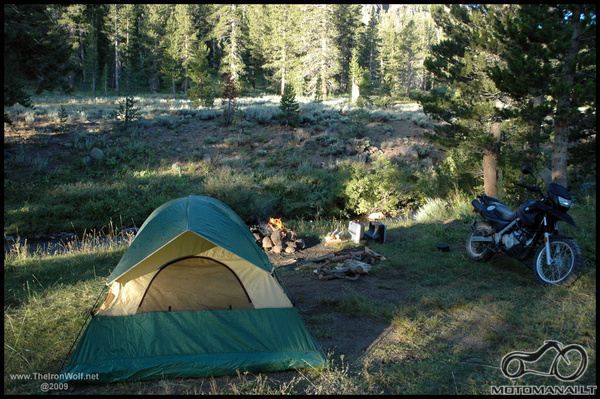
(562, 216)
(558, 236)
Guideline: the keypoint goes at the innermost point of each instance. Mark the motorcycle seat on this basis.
(502, 211)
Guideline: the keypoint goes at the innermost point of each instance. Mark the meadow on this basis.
(422, 322)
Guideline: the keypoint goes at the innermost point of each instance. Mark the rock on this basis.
(267, 242)
(97, 153)
(302, 134)
(292, 236)
(277, 249)
(300, 244)
(257, 235)
(290, 250)
(276, 237)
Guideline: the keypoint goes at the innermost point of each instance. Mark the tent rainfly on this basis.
(193, 296)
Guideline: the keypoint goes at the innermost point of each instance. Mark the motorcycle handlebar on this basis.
(530, 188)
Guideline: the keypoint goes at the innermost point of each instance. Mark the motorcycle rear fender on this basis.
(479, 207)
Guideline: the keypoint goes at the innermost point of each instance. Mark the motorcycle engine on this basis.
(515, 243)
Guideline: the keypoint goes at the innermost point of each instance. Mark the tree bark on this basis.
(490, 162)
(490, 177)
(561, 125)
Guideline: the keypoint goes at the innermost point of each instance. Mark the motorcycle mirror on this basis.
(526, 170)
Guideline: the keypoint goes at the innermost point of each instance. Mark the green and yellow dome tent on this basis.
(193, 296)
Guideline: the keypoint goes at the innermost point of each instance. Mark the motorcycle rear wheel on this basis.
(566, 265)
(477, 250)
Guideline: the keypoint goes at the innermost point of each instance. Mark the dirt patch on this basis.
(334, 310)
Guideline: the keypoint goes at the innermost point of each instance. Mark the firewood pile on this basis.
(347, 264)
(278, 238)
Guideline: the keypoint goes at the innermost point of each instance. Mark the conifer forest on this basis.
(484, 72)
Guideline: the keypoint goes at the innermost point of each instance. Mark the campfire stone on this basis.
(277, 249)
(276, 237)
(290, 249)
(267, 243)
(300, 243)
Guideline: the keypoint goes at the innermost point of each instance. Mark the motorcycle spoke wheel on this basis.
(565, 266)
(477, 250)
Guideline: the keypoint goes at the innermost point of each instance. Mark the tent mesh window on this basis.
(194, 283)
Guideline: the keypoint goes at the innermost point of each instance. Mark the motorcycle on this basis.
(557, 262)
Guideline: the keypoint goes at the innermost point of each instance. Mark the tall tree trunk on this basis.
(232, 53)
(116, 50)
(283, 71)
(561, 125)
(409, 73)
(323, 74)
(490, 162)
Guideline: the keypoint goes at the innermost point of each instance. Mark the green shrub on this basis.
(375, 188)
(260, 113)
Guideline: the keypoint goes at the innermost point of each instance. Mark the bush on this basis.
(260, 113)
(375, 188)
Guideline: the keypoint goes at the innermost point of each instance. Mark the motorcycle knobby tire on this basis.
(567, 261)
(479, 251)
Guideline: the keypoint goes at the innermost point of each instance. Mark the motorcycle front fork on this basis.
(547, 243)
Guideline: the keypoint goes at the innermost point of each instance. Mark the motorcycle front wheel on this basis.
(477, 250)
(566, 263)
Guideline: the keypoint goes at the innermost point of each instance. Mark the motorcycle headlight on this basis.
(565, 203)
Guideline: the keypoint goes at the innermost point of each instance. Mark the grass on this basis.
(445, 321)
(49, 171)
(449, 320)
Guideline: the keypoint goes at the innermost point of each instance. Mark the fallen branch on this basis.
(374, 254)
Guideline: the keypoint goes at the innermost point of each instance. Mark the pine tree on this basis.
(126, 113)
(357, 74)
(468, 107)
(548, 70)
(289, 107)
(228, 30)
(230, 95)
(153, 26)
(256, 26)
(91, 44)
(368, 43)
(35, 52)
(346, 20)
(280, 55)
(318, 52)
(172, 67)
(113, 31)
(203, 91)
